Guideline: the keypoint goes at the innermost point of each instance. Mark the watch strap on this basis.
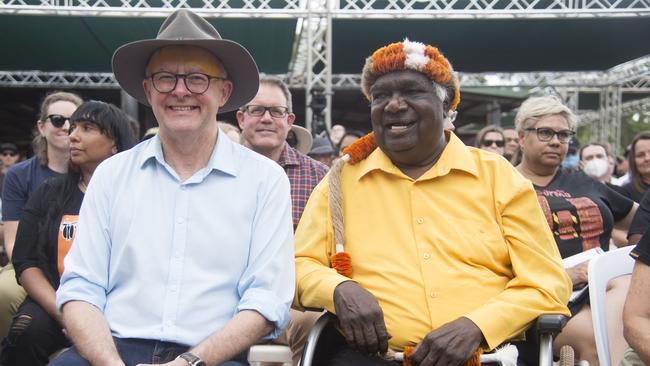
(192, 359)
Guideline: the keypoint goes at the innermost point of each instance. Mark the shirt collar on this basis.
(222, 157)
(289, 156)
(455, 156)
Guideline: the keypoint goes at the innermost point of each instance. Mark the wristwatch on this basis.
(192, 359)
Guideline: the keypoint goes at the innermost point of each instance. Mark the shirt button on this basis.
(433, 294)
(420, 220)
(426, 256)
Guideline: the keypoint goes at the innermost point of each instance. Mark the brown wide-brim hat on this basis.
(185, 28)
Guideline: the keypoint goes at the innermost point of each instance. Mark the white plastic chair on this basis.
(270, 353)
(602, 269)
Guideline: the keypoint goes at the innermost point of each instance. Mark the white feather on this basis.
(415, 57)
(506, 355)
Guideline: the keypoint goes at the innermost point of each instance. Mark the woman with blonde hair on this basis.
(51, 155)
(581, 213)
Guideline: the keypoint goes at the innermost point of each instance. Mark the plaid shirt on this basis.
(304, 174)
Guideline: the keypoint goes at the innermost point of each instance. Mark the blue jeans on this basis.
(134, 351)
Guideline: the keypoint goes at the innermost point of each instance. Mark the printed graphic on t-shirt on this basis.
(576, 223)
(67, 232)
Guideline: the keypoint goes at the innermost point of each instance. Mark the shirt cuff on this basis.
(271, 307)
(78, 289)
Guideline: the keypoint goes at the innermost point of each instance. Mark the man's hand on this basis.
(176, 362)
(361, 318)
(578, 274)
(450, 345)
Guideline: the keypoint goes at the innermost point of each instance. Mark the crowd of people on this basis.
(206, 238)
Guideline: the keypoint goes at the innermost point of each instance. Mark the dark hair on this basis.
(39, 144)
(604, 146)
(355, 133)
(635, 177)
(113, 123)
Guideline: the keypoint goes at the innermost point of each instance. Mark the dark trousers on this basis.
(33, 336)
(135, 351)
(333, 350)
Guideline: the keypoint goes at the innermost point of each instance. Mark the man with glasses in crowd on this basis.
(265, 122)
(183, 242)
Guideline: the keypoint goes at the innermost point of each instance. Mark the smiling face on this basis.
(89, 146)
(407, 118)
(57, 137)
(181, 112)
(266, 134)
(547, 154)
(642, 158)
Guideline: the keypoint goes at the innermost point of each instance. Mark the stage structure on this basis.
(311, 60)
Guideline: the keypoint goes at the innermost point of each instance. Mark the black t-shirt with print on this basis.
(46, 230)
(581, 211)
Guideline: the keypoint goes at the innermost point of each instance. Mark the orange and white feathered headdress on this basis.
(416, 56)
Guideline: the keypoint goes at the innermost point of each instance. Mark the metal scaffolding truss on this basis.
(395, 9)
(311, 62)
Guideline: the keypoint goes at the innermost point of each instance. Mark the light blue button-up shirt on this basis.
(175, 261)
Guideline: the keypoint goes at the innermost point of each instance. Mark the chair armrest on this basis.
(550, 323)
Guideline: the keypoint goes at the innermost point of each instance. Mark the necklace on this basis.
(82, 185)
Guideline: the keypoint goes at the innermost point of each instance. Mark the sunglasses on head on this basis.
(57, 120)
(499, 143)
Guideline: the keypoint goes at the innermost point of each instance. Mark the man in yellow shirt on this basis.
(449, 248)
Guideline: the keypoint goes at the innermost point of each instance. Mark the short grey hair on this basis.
(277, 82)
(535, 108)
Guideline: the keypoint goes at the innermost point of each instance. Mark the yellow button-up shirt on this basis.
(467, 238)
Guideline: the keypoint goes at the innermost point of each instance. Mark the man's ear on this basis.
(448, 120)
(290, 119)
(147, 90)
(226, 91)
(240, 119)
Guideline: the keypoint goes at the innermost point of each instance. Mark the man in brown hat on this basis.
(182, 243)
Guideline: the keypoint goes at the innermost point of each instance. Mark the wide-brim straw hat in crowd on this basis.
(185, 28)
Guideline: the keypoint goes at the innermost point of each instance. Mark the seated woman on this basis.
(580, 211)
(46, 231)
(491, 138)
(639, 165)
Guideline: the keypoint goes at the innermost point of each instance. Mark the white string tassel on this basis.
(506, 354)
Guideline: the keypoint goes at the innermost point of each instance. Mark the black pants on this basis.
(33, 336)
(333, 350)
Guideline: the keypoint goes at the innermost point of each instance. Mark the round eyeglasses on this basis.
(195, 82)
